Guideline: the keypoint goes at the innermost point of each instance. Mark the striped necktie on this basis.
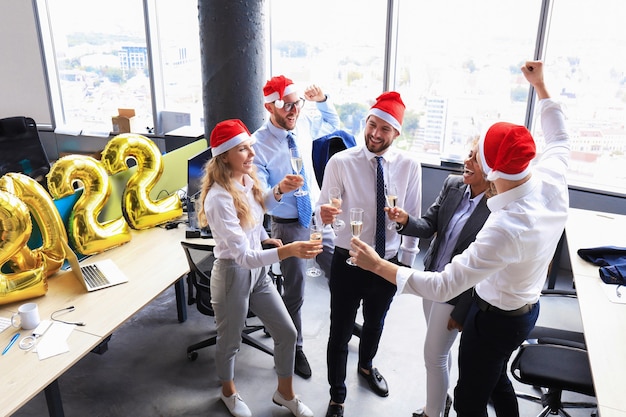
(380, 208)
(303, 202)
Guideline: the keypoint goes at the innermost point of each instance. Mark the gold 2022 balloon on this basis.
(42, 209)
(15, 230)
(140, 210)
(86, 233)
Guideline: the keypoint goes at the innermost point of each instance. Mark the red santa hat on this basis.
(506, 151)
(277, 88)
(390, 108)
(228, 134)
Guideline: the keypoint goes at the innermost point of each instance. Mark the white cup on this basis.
(27, 316)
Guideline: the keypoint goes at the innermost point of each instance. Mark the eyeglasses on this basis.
(297, 104)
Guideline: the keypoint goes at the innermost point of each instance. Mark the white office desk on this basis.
(604, 322)
(153, 260)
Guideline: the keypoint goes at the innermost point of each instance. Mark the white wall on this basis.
(23, 89)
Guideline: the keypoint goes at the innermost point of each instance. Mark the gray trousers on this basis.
(233, 289)
(294, 269)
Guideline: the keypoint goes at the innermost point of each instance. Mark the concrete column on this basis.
(232, 43)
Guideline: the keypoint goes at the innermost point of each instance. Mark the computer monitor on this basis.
(195, 172)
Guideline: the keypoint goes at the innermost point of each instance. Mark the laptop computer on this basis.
(97, 275)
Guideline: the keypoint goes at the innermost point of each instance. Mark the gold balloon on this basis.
(86, 233)
(42, 209)
(140, 210)
(15, 229)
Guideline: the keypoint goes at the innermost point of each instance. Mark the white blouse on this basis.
(232, 241)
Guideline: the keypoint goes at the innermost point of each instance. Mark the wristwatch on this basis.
(277, 189)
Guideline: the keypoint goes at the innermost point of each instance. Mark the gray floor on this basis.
(145, 371)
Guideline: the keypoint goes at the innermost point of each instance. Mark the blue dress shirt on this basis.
(274, 162)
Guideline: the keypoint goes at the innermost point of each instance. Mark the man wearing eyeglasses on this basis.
(284, 130)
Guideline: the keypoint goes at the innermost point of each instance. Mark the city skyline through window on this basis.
(457, 72)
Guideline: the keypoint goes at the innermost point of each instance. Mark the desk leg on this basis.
(181, 307)
(53, 399)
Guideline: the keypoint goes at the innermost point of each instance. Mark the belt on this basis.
(280, 220)
(488, 308)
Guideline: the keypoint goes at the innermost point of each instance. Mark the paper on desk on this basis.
(611, 291)
(54, 341)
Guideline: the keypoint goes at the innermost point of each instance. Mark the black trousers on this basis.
(349, 286)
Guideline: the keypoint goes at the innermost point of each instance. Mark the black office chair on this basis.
(21, 149)
(554, 360)
(200, 258)
(554, 366)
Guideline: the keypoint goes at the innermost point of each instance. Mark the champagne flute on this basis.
(356, 226)
(296, 165)
(334, 195)
(391, 195)
(316, 235)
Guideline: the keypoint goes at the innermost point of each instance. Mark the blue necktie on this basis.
(302, 202)
(380, 208)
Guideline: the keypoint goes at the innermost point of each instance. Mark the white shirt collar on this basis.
(248, 182)
(499, 201)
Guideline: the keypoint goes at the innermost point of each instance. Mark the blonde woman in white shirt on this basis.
(233, 207)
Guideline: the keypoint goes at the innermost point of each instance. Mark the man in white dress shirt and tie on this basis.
(361, 173)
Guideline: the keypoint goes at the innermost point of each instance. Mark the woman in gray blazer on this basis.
(453, 221)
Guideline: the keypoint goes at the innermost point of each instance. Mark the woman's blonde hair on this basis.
(491, 187)
(217, 171)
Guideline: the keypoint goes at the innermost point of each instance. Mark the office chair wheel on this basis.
(192, 356)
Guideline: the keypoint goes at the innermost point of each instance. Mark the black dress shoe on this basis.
(376, 381)
(334, 410)
(301, 366)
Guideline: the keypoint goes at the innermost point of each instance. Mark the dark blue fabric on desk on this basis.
(610, 259)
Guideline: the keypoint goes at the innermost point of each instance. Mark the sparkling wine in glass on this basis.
(296, 165)
(316, 235)
(391, 195)
(334, 195)
(356, 227)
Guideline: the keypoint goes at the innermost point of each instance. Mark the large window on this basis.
(101, 60)
(338, 45)
(458, 70)
(178, 64)
(456, 64)
(585, 54)
(102, 63)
